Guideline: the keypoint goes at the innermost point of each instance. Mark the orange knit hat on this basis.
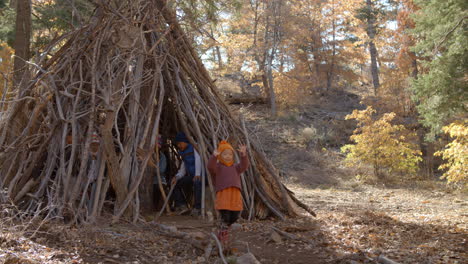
(223, 145)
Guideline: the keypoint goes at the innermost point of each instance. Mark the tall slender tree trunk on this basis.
(371, 31)
(217, 51)
(414, 64)
(220, 59)
(276, 39)
(332, 64)
(272, 36)
(374, 68)
(269, 74)
(22, 39)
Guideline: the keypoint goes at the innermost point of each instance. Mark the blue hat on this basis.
(181, 137)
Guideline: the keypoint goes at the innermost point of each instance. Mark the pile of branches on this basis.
(70, 139)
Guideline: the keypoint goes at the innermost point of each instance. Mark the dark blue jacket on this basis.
(188, 157)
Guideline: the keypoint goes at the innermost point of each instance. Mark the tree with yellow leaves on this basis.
(381, 144)
(456, 153)
(5, 68)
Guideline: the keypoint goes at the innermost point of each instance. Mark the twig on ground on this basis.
(220, 248)
(384, 260)
(292, 236)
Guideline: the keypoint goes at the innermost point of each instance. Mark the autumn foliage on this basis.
(381, 144)
(456, 153)
(5, 63)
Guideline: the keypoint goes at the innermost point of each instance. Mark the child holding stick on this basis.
(227, 183)
(189, 174)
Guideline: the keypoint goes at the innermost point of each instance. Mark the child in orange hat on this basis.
(227, 182)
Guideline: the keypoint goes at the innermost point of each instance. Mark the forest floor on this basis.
(408, 222)
(352, 226)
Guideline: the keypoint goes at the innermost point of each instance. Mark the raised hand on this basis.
(242, 149)
(216, 152)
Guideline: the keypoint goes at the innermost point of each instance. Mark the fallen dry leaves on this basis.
(405, 225)
(352, 226)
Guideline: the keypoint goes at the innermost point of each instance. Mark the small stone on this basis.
(275, 237)
(248, 258)
(236, 227)
(199, 235)
(210, 217)
(116, 256)
(169, 228)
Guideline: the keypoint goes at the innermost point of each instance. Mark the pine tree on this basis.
(441, 31)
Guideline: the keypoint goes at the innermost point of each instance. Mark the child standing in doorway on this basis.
(189, 175)
(227, 182)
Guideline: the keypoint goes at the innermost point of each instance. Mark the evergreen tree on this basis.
(441, 90)
(7, 22)
(58, 17)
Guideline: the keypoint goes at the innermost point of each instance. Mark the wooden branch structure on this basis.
(69, 140)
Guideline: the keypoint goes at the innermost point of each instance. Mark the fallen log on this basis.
(245, 99)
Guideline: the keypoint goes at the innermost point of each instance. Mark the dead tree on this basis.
(103, 95)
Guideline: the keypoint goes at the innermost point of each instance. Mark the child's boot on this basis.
(223, 235)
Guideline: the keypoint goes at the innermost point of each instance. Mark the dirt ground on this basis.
(405, 225)
(352, 226)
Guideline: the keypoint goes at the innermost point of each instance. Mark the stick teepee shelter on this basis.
(85, 124)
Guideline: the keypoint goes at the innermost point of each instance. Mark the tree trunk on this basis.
(266, 83)
(269, 74)
(414, 64)
(276, 39)
(332, 65)
(220, 59)
(22, 39)
(374, 68)
(372, 48)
